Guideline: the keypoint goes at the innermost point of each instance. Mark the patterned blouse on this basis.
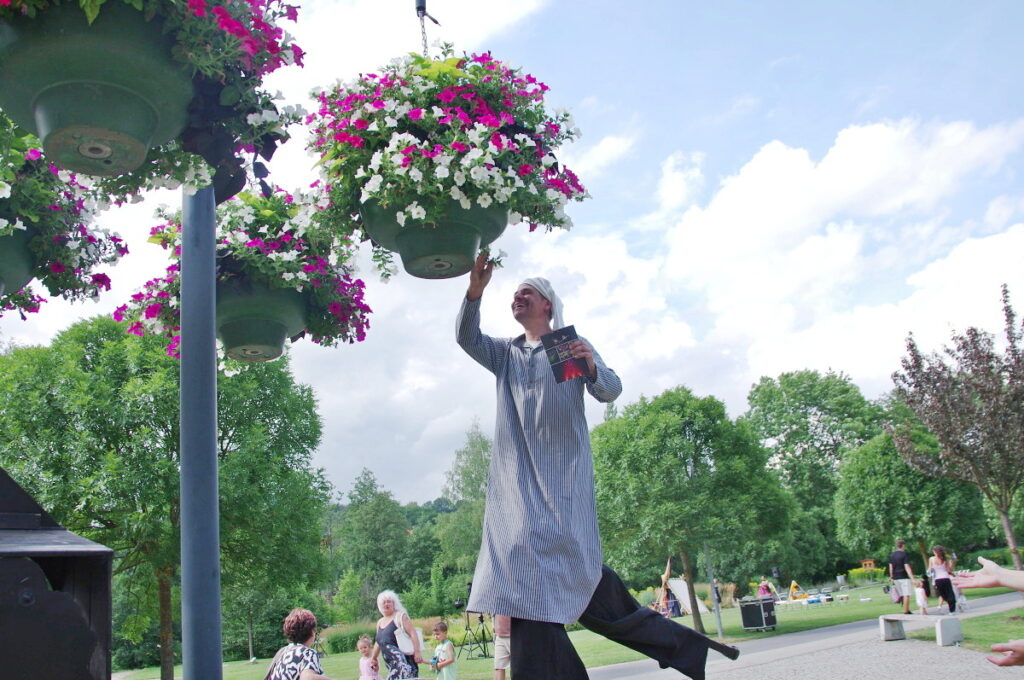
(294, 659)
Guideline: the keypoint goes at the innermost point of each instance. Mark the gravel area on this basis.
(902, 659)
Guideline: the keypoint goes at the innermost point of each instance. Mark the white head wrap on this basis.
(543, 286)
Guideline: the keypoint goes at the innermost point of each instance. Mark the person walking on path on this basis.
(991, 575)
(540, 559)
(942, 570)
(901, 574)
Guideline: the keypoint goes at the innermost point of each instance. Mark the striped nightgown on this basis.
(540, 557)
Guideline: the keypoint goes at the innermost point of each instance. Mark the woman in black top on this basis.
(393, 614)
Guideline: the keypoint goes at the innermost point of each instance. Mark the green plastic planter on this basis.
(254, 320)
(97, 95)
(436, 252)
(16, 261)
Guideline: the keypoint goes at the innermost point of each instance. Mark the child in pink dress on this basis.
(366, 663)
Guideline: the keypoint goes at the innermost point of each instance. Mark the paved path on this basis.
(850, 651)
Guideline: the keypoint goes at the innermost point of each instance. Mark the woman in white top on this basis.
(942, 568)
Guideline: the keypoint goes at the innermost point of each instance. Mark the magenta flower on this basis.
(416, 114)
(57, 268)
(136, 329)
(102, 281)
(33, 155)
(198, 7)
(119, 313)
(153, 310)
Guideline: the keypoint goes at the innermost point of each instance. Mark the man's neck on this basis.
(536, 329)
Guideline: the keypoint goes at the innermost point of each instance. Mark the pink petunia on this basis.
(198, 7)
(152, 311)
(57, 268)
(33, 155)
(119, 313)
(102, 280)
(459, 146)
(416, 114)
(136, 329)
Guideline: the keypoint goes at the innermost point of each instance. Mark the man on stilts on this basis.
(540, 558)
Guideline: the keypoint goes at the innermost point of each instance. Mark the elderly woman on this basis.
(297, 660)
(393, 615)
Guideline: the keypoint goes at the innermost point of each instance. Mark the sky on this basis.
(776, 186)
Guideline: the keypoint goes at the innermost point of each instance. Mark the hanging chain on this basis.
(421, 12)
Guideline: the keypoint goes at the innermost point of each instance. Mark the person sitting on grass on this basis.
(991, 575)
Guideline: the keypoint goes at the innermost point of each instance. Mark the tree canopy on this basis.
(971, 397)
(90, 428)
(673, 473)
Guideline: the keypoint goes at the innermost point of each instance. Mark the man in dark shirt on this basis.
(901, 574)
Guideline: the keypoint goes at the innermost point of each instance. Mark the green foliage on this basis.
(345, 640)
(860, 576)
(807, 420)
(1001, 556)
(881, 498)
(90, 428)
(673, 474)
(970, 398)
(467, 478)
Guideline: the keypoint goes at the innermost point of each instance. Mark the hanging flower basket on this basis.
(254, 320)
(98, 95)
(16, 262)
(149, 94)
(46, 229)
(279, 276)
(428, 155)
(440, 251)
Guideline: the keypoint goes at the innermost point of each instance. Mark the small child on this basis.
(921, 596)
(444, 654)
(366, 670)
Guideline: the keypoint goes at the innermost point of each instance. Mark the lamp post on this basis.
(200, 517)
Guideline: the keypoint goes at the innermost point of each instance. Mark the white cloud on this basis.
(592, 162)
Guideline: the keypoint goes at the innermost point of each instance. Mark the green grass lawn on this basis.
(597, 651)
(984, 631)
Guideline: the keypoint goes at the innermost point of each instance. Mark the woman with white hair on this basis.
(393, 615)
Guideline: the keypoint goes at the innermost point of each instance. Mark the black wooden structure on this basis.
(55, 601)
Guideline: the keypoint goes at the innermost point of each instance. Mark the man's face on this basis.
(528, 304)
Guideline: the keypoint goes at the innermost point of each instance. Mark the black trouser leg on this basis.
(615, 614)
(945, 589)
(542, 651)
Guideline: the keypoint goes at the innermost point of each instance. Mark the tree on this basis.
(881, 498)
(975, 408)
(467, 478)
(807, 420)
(90, 428)
(673, 473)
(373, 535)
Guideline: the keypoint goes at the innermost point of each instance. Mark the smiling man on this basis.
(540, 557)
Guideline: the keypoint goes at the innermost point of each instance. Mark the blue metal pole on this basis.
(200, 518)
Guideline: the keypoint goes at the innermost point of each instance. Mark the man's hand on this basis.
(581, 350)
(989, 576)
(1013, 653)
(479, 277)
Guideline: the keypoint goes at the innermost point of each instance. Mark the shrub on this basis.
(861, 576)
(343, 639)
(1001, 556)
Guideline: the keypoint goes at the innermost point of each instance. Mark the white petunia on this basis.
(441, 171)
(416, 211)
(400, 217)
(5, 190)
(514, 217)
(459, 177)
(484, 200)
(464, 202)
(415, 174)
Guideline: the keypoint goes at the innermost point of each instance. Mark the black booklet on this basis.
(563, 365)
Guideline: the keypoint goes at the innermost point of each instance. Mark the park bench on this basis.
(947, 628)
